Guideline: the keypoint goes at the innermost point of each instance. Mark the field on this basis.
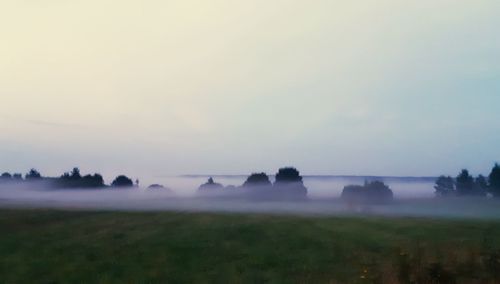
(53, 246)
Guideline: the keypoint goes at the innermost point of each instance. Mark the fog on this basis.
(414, 197)
(318, 186)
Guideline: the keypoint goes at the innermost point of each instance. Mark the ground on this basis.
(55, 246)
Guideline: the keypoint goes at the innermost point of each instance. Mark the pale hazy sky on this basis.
(383, 87)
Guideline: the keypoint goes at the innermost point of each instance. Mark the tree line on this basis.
(71, 179)
(464, 184)
(288, 184)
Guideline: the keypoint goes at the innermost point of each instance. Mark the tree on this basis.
(159, 188)
(75, 174)
(210, 185)
(6, 176)
(289, 184)
(379, 191)
(156, 186)
(92, 181)
(481, 185)
(74, 179)
(288, 175)
(494, 178)
(122, 181)
(465, 183)
(17, 176)
(33, 175)
(445, 185)
(257, 179)
(370, 193)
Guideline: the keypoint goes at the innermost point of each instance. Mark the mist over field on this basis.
(413, 197)
(232, 141)
(318, 186)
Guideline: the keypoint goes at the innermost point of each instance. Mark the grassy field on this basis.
(48, 246)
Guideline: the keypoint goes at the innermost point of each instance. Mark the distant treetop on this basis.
(33, 175)
(370, 193)
(287, 175)
(445, 185)
(6, 176)
(494, 178)
(210, 185)
(257, 179)
(122, 181)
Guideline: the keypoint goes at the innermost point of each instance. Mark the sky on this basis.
(373, 87)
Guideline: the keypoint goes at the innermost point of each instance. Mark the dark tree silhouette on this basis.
(370, 193)
(17, 176)
(122, 181)
(257, 179)
(74, 179)
(445, 186)
(75, 174)
(6, 176)
(287, 175)
(465, 183)
(33, 175)
(92, 181)
(481, 185)
(494, 178)
(210, 185)
(289, 185)
(159, 187)
(156, 186)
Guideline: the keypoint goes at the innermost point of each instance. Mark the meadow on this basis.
(58, 246)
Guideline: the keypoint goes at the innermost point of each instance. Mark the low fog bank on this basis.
(136, 199)
(319, 187)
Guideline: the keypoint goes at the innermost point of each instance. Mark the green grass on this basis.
(49, 246)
